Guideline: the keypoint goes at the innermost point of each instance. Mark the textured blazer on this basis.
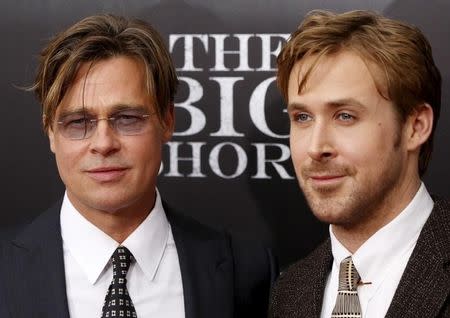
(423, 291)
(221, 277)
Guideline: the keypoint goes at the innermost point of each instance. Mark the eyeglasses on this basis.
(80, 126)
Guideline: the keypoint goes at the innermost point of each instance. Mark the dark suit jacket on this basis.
(423, 291)
(221, 278)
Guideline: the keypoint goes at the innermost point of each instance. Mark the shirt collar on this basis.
(93, 251)
(383, 248)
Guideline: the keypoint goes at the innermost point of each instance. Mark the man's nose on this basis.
(321, 145)
(104, 139)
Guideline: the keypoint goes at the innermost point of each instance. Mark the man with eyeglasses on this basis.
(111, 247)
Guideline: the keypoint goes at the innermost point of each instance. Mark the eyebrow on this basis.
(332, 104)
(296, 106)
(78, 110)
(346, 101)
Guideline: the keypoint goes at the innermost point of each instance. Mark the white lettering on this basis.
(241, 162)
(188, 48)
(226, 106)
(262, 160)
(220, 52)
(257, 108)
(175, 159)
(267, 52)
(198, 118)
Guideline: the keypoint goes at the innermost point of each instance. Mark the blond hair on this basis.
(400, 51)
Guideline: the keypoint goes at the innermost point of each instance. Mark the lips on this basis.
(326, 182)
(326, 177)
(107, 174)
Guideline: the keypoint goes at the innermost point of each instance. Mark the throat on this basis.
(118, 226)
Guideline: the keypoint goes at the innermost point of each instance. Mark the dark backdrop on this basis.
(228, 164)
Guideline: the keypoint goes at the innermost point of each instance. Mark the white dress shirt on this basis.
(381, 260)
(154, 280)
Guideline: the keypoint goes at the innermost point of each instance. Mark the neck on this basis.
(352, 236)
(120, 223)
(118, 227)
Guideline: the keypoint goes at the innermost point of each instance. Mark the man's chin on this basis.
(101, 202)
(329, 211)
(112, 204)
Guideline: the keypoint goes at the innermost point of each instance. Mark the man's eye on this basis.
(302, 117)
(76, 122)
(128, 119)
(345, 116)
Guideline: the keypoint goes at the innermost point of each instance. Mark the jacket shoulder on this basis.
(300, 272)
(255, 271)
(298, 291)
(253, 268)
(435, 234)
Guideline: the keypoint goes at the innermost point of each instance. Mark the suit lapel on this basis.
(36, 278)
(299, 291)
(206, 268)
(323, 266)
(424, 286)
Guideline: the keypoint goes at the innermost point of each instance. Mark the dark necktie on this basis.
(347, 301)
(117, 301)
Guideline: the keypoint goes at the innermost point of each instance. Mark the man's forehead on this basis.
(90, 72)
(108, 82)
(349, 66)
(311, 63)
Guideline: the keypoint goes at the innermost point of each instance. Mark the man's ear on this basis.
(49, 132)
(419, 126)
(168, 123)
(51, 139)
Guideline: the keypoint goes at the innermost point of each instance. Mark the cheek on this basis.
(67, 152)
(146, 153)
(366, 148)
(68, 160)
(298, 145)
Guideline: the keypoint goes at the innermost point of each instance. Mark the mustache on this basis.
(320, 169)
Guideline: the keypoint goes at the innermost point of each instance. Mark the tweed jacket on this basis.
(423, 291)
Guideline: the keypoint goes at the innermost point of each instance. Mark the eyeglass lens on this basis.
(82, 125)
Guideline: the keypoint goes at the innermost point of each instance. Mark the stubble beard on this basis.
(356, 203)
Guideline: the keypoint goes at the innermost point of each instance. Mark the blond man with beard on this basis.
(363, 96)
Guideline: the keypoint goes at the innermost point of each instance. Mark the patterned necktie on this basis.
(117, 301)
(347, 301)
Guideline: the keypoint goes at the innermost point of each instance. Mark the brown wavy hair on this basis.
(399, 50)
(101, 37)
